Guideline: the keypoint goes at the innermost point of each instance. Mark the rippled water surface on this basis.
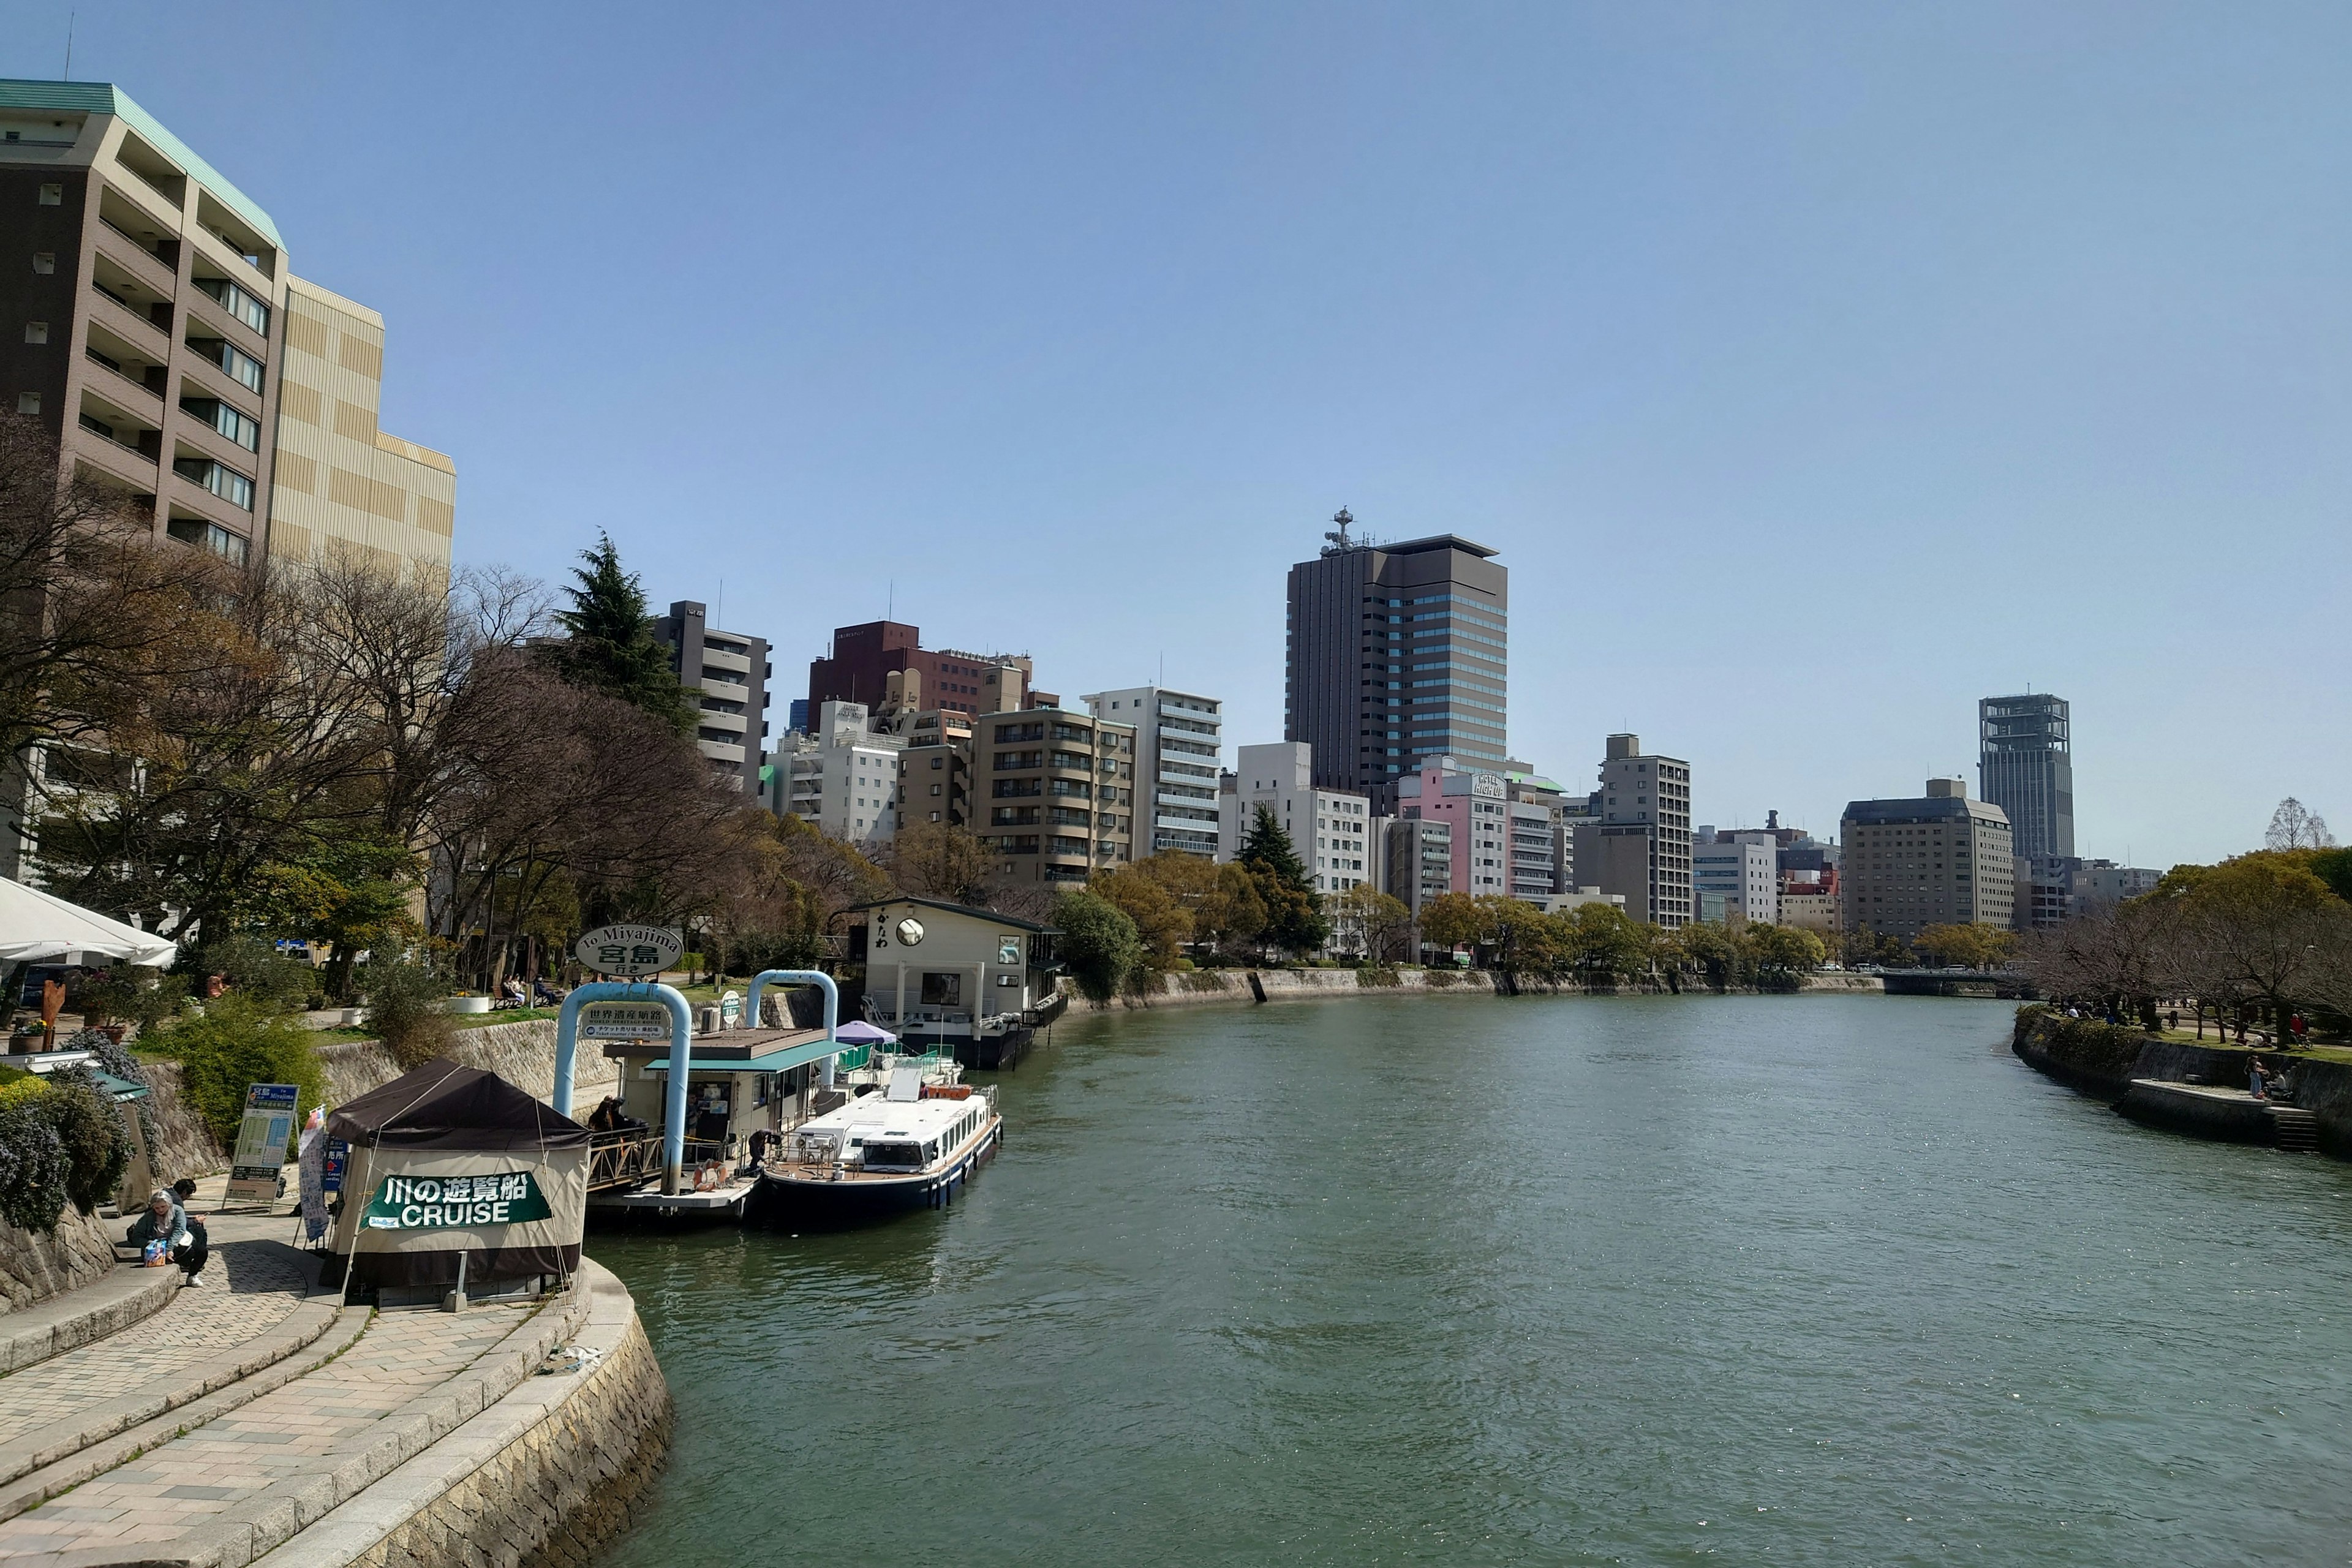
(1810, 1279)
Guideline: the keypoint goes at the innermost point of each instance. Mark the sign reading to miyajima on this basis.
(630, 951)
(442, 1203)
(624, 1021)
(261, 1139)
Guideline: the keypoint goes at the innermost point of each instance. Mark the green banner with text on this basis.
(442, 1203)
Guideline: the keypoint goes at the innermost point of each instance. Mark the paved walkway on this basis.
(249, 1288)
(182, 1485)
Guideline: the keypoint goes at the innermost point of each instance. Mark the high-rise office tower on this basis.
(1396, 653)
(726, 676)
(2025, 766)
(1639, 844)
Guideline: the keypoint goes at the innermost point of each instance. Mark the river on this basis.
(1827, 1279)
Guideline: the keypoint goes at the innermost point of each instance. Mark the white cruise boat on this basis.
(910, 1146)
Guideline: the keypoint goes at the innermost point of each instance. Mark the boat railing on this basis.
(632, 1156)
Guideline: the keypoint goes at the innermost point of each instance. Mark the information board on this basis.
(624, 1021)
(261, 1140)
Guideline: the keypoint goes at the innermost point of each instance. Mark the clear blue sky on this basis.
(1816, 369)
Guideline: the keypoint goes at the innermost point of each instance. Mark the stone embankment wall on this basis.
(523, 1054)
(1194, 986)
(2102, 1059)
(35, 1267)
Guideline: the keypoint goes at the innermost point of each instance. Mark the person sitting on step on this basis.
(161, 1234)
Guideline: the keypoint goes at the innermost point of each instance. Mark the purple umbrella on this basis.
(860, 1033)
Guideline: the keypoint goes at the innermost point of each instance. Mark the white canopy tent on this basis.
(35, 925)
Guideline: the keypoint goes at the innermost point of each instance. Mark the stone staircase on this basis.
(2295, 1129)
(218, 1427)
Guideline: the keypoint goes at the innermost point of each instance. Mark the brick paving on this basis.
(179, 1486)
(249, 1288)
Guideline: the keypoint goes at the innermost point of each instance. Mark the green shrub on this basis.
(1437, 979)
(404, 1010)
(91, 1127)
(1099, 946)
(32, 1160)
(1376, 975)
(233, 1046)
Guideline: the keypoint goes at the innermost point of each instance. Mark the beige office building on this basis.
(343, 486)
(1938, 859)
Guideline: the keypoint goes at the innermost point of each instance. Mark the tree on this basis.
(1714, 950)
(97, 620)
(2262, 922)
(1230, 911)
(1452, 921)
(1162, 925)
(936, 860)
(1099, 943)
(1605, 944)
(1786, 950)
(1294, 915)
(2295, 827)
(1976, 946)
(1369, 920)
(611, 647)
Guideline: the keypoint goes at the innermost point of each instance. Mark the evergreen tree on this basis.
(612, 647)
(1267, 848)
(1294, 913)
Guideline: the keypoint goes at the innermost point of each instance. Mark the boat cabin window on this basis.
(909, 1156)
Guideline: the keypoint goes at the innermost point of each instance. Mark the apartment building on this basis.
(1416, 861)
(1639, 843)
(727, 674)
(1059, 793)
(1331, 829)
(935, 770)
(1933, 859)
(145, 305)
(1395, 654)
(1178, 736)
(1475, 807)
(342, 486)
(1539, 835)
(841, 775)
(861, 659)
(2025, 765)
(1742, 869)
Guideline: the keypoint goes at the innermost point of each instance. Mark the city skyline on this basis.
(1661, 301)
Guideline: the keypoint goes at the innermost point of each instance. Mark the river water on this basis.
(1826, 1279)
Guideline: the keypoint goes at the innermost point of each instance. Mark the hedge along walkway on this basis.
(230, 1489)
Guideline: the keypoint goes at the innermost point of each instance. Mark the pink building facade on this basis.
(1475, 807)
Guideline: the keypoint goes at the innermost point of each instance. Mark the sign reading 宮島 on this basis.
(441, 1203)
(261, 1139)
(630, 951)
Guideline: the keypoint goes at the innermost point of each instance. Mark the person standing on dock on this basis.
(2256, 1081)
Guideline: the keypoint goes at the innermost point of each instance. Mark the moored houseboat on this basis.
(971, 982)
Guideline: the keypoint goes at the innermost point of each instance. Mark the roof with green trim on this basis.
(105, 98)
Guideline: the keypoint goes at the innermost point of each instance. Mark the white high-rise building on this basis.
(1744, 868)
(1330, 828)
(1177, 740)
(840, 776)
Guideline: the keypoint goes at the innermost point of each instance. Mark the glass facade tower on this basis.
(2025, 766)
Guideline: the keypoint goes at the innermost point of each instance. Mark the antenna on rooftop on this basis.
(70, 16)
(1339, 542)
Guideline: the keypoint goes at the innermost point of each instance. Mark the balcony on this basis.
(125, 466)
(207, 317)
(144, 336)
(124, 250)
(204, 377)
(725, 691)
(719, 659)
(113, 382)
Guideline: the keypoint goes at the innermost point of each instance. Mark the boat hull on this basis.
(811, 1203)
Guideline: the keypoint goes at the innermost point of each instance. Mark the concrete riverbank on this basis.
(1197, 987)
(2191, 1089)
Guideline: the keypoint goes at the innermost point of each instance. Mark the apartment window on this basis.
(28, 403)
(45, 262)
(53, 195)
(232, 359)
(238, 302)
(211, 536)
(37, 331)
(222, 481)
(225, 419)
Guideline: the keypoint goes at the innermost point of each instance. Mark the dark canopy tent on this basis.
(441, 1125)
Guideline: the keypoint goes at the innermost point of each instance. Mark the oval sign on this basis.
(630, 951)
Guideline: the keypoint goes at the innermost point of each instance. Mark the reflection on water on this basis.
(1822, 1279)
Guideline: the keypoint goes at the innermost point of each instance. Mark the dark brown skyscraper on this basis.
(1396, 652)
